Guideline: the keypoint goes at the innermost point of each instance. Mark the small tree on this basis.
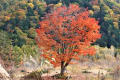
(65, 34)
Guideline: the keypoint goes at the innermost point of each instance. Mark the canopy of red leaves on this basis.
(66, 33)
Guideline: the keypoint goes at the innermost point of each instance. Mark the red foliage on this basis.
(66, 33)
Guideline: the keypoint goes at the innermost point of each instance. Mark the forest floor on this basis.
(104, 69)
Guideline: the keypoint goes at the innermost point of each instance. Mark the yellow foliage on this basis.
(111, 12)
(58, 5)
(31, 5)
(42, 5)
(106, 7)
(116, 25)
(91, 12)
(115, 19)
(106, 18)
(96, 8)
(6, 18)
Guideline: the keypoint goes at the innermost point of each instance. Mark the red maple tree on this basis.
(65, 34)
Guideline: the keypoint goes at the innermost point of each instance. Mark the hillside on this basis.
(19, 20)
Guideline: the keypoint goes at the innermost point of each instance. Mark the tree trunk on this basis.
(62, 70)
(63, 67)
